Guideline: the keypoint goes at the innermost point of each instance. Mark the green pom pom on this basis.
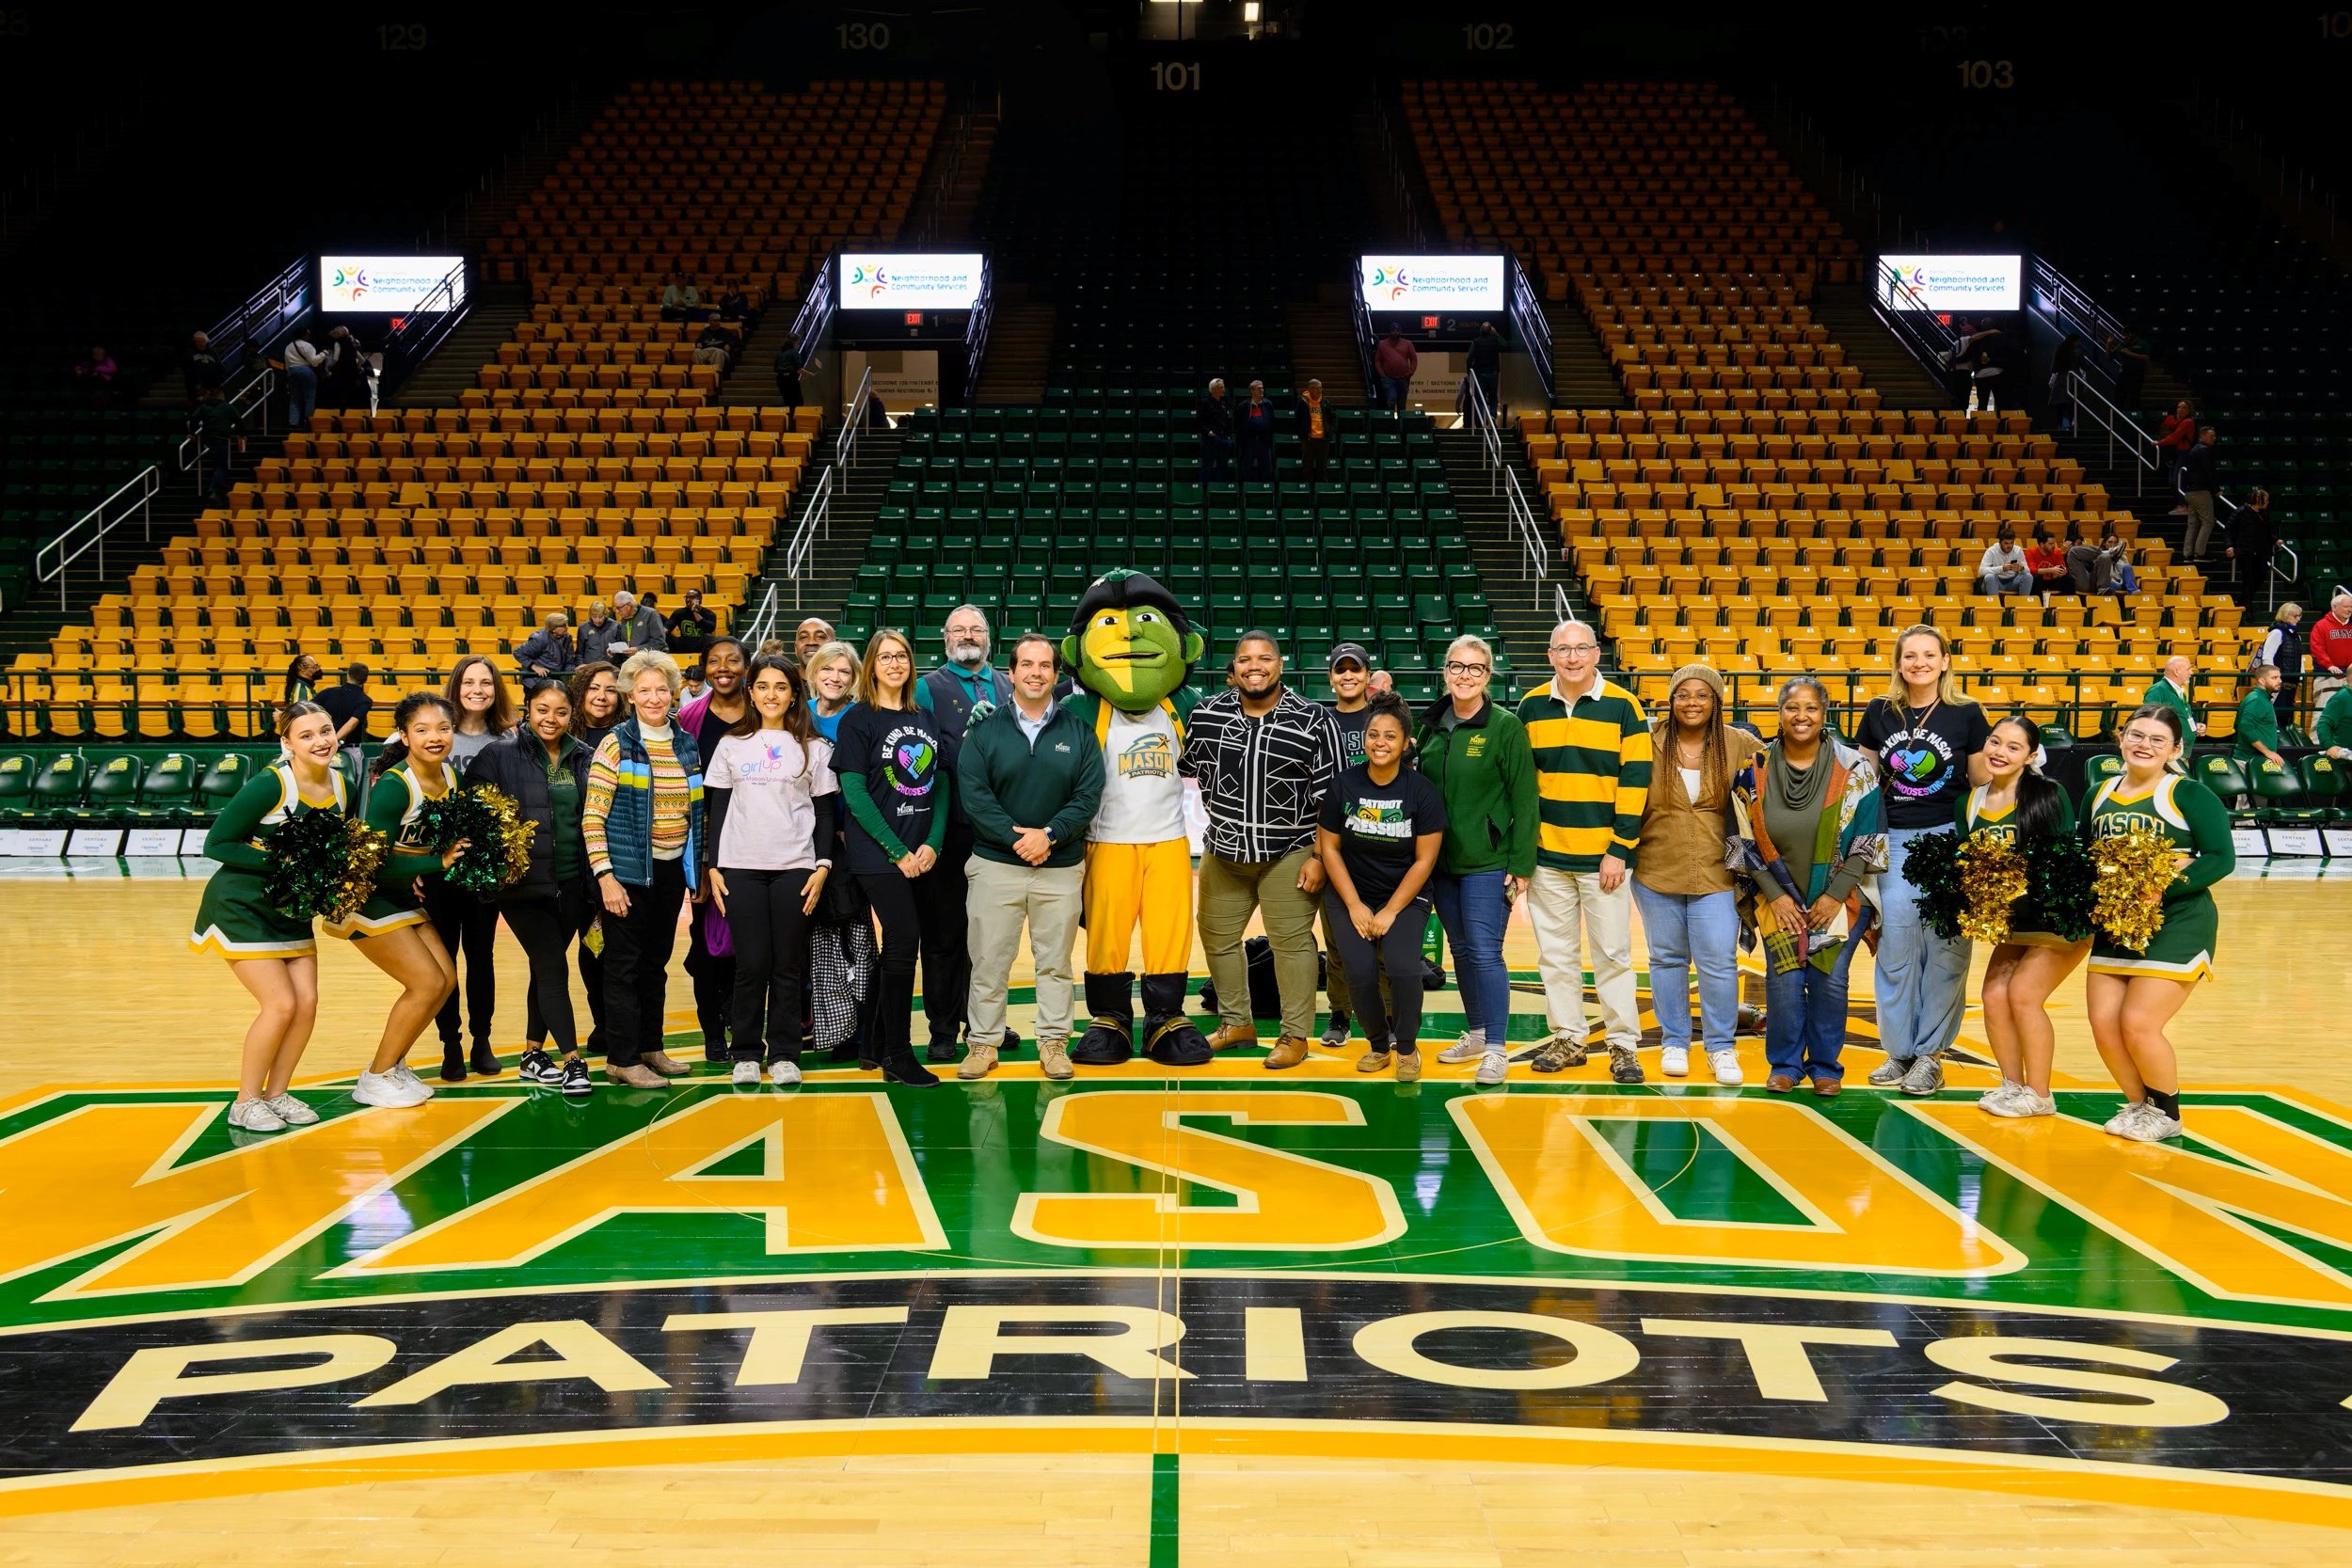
(1932, 866)
(2059, 874)
(485, 819)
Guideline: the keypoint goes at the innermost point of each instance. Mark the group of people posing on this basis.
(798, 803)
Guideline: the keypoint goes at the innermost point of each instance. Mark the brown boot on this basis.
(636, 1076)
(1232, 1036)
(666, 1065)
(1289, 1051)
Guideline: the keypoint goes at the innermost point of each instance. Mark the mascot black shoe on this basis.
(1110, 1038)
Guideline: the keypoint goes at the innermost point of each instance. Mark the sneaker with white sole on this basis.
(576, 1080)
(537, 1067)
(292, 1111)
(2151, 1126)
(385, 1089)
(1675, 1061)
(783, 1073)
(1335, 1034)
(1996, 1096)
(404, 1074)
(254, 1115)
(2021, 1101)
(1727, 1067)
(1888, 1073)
(744, 1075)
(1924, 1076)
(1493, 1067)
(1467, 1049)
(2116, 1123)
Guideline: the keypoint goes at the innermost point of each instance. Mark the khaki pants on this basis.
(1569, 909)
(1230, 890)
(998, 899)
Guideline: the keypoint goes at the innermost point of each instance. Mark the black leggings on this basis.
(469, 930)
(580, 905)
(1396, 955)
(546, 927)
(918, 917)
(946, 989)
(771, 963)
(637, 965)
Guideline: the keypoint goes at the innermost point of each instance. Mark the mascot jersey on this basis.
(1143, 799)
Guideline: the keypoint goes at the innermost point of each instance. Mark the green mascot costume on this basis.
(1132, 647)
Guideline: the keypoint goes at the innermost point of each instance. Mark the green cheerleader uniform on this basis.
(235, 920)
(2196, 821)
(2027, 926)
(394, 801)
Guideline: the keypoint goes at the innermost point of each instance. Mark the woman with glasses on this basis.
(1478, 756)
(2131, 995)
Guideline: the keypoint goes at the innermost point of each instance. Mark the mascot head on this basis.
(1130, 641)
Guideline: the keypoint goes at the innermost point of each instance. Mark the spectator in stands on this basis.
(1477, 754)
(1030, 775)
(716, 347)
(2197, 475)
(1926, 738)
(635, 627)
(597, 634)
(1593, 748)
(735, 306)
(1253, 434)
(695, 685)
(305, 362)
(1681, 885)
(2170, 689)
(2175, 434)
(2065, 362)
(2086, 568)
(347, 369)
(813, 633)
(349, 705)
(95, 376)
(1264, 757)
(1213, 420)
(692, 627)
(1393, 360)
(1486, 365)
(2332, 732)
(549, 651)
(2258, 718)
(2115, 559)
(790, 372)
(1379, 682)
(2254, 544)
(2282, 649)
(302, 680)
(200, 367)
(1314, 432)
(2129, 351)
(220, 434)
(961, 691)
(2331, 649)
(681, 301)
(2046, 561)
(2002, 567)
(874, 416)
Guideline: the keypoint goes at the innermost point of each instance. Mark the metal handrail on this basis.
(815, 517)
(762, 624)
(2058, 297)
(844, 445)
(2108, 417)
(412, 342)
(273, 310)
(255, 394)
(976, 330)
(816, 311)
(1360, 317)
(1914, 322)
(1505, 482)
(1489, 437)
(1527, 313)
(147, 481)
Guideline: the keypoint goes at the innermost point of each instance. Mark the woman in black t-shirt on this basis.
(887, 758)
(1383, 825)
(1928, 740)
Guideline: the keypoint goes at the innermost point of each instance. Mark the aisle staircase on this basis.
(1020, 350)
(456, 362)
(1524, 610)
(1323, 346)
(1581, 373)
(1887, 366)
(839, 548)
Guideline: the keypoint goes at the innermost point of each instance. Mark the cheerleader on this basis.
(2133, 995)
(392, 929)
(2017, 803)
(273, 956)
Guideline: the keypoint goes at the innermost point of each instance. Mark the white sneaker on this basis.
(1493, 1067)
(746, 1075)
(1993, 1098)
(1675, 1061)
(2151, 1126)
(1726, 1065)
(386, 1090)
(1467, 1049)
(784, 1074)
(292, 1111)
(254, 1115)
(401, 1074)
(2021, 1101)
(2122, 1118)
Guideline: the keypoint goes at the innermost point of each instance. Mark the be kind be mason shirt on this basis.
(1923, 757)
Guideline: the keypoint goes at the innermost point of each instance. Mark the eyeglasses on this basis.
(1576, 650)
(1456, 667)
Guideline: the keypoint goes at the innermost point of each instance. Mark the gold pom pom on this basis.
(1991, 878)
(364, 849)
(515, 835)
(2130, 873)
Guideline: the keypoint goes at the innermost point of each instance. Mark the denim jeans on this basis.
(302, 394)
(1805, 1014)
(1994, 584)
(1473, 912)
(1923, 979)
(1395, 390)
(1683, 931)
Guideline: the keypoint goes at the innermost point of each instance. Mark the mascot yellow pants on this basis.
(1151, 883)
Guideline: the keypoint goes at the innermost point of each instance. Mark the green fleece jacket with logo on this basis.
(1005, 781)
(1485, 770)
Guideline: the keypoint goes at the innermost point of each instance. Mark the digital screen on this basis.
(389, 284)
(1953, 282)
(1444, 283)
(874, 280)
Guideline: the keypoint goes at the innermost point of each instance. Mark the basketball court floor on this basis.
(1229, 1317)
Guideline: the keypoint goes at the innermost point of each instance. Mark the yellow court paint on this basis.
(1570, 1192)
(848, 1183)
(104, 1174)
(1283, 1202)
(2189, 1211)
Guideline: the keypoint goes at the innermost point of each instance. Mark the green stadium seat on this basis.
(2221, 773)
(170, 787)
(113, 792)
(17, 772)
(227, 774)
(58, 787)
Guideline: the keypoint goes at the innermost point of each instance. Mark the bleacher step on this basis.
(1887, 366)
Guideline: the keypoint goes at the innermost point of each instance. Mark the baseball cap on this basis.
(1342, 652)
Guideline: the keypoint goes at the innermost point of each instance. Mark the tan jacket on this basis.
(1682, 840)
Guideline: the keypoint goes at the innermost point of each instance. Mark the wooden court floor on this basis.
(1255, 1438)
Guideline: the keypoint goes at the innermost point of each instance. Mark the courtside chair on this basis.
(16, 771)
(113, 793)
(222, 778)
(168, 791)
(58, 787)
(2224, 775)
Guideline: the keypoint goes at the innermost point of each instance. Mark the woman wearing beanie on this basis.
(1681, 885)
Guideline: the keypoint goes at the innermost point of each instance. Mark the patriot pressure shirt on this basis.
(1261, 780)
(1593, 760)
